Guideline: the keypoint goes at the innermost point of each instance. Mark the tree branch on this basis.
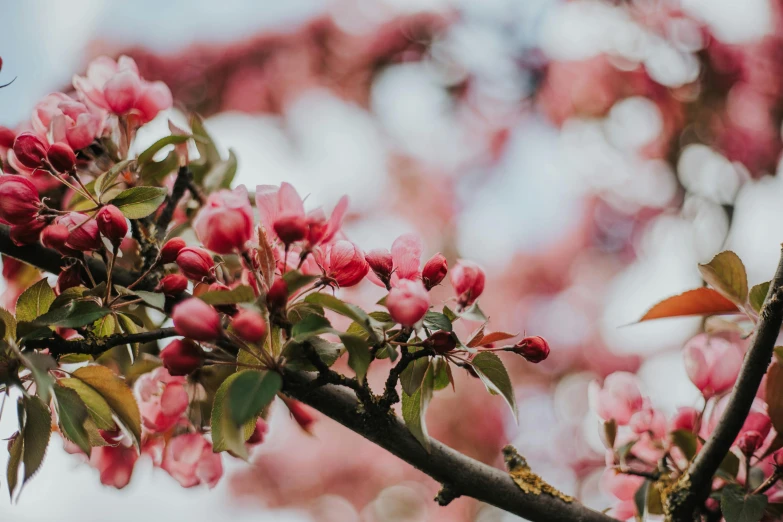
(693, 488)
(181, 184)
(461, 474)
(58, 346)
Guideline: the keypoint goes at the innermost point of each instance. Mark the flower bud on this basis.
(182, 357)
(84, 233)
(277, 297)
(19, 201)
(408, 302)
(434, 271)
(535, 349)
(112, 224)
(344, 263)
(56, 236)
(173, 284)
(648, 420)
(195, 319)
(225, 222)
(381, 263)
(259, 432)
(195, 263)
(291, 229)
(750, 442)
(302, 414)
(712, 363)
(7, 137)
(249, 325)
(619, 397)
(442, 342)
(467, 278)
(61, 157)
(30, 150)
(170, 249)
(68, 278)
(778, 458)
(27, 233)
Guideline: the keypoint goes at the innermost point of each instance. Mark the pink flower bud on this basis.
(27, 233)
(619, 397)
(712, 363)
(19, 202)
(249, 325)
(408, 302)
(30, 150)
(778, 458)
(277, 297)
(195, 263)
(112, 223)
(648, 420)
(291, 229)
(56, 236)
(344, 262)
(68, 278)
(61, 157)
(84, 233)
(749, 442)
(173, 284)
(7, 137)
(170, 249)
(467, 278)
(442, 342)
(302, 414)
(122, 90)
(381, 262)
(758, 422)
(535, 349)
(685, 419)
(434, 271)
(182, 357)
(260, 431)
(225, 222)
(195, 319)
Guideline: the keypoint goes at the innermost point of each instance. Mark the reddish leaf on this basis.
(477, 336)
(700, 301)
(494, 337)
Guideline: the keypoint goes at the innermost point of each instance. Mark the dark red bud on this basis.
(61, 157)
(182, 356)
(30, 150)
(277, 298)
(291, 229)
(68, 278)
(173, 284)
(27, 233)
(168, 254)
(750, 442)
(434, 271)
(56, 236)
(7, 137)
(442, 342)
(196, 263)
(535, 349)
(112, 223)
(381, 263)
(249, 325)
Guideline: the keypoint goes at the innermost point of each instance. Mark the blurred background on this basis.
(588, 153)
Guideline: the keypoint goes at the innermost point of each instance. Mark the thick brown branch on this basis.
(181, 184)
(694, 487)
(462, 474)
(58, 346)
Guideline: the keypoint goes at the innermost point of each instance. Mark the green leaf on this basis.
(450, 315)
(153, 299)
(221, 174)
(105, 326)
(14, 459)
(35, 301)
(757, 295)
(37, 430)
(295, 280)
(296, 359)
(39, 365)
(155, 171)
(250, 392)
(174, 139)
(73, 315)
(97, 407)
(240, 294)
(75, 358)
(441, 372)
(413, 375)
(310, 326)
(129, 327)
(204, 142)
(299, 310)
(72, 413)
(413, 414)
(729, 467)
(226, 435)
(116, 393)
(437, 321)
(739, 507)
(493, 374)
(107, 180)
(139, 202)
(726, 274)
(348, 310)
(474, 313)
(359, 357)
(640, 498)
(8, 325)
(687, 442)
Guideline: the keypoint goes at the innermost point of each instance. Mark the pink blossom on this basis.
(467, 278)
(115, 464)
(619, 397)
(712, 362)
(620, 485)
(162, 399)
(190, 461)
(117, 87)
(649, 420)
(402, 263)
(64, 120)
(685, 419)
(408, 302)
(344, 262)
(83, 231)
(225, 223)
(195, 319)
(282, 209)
